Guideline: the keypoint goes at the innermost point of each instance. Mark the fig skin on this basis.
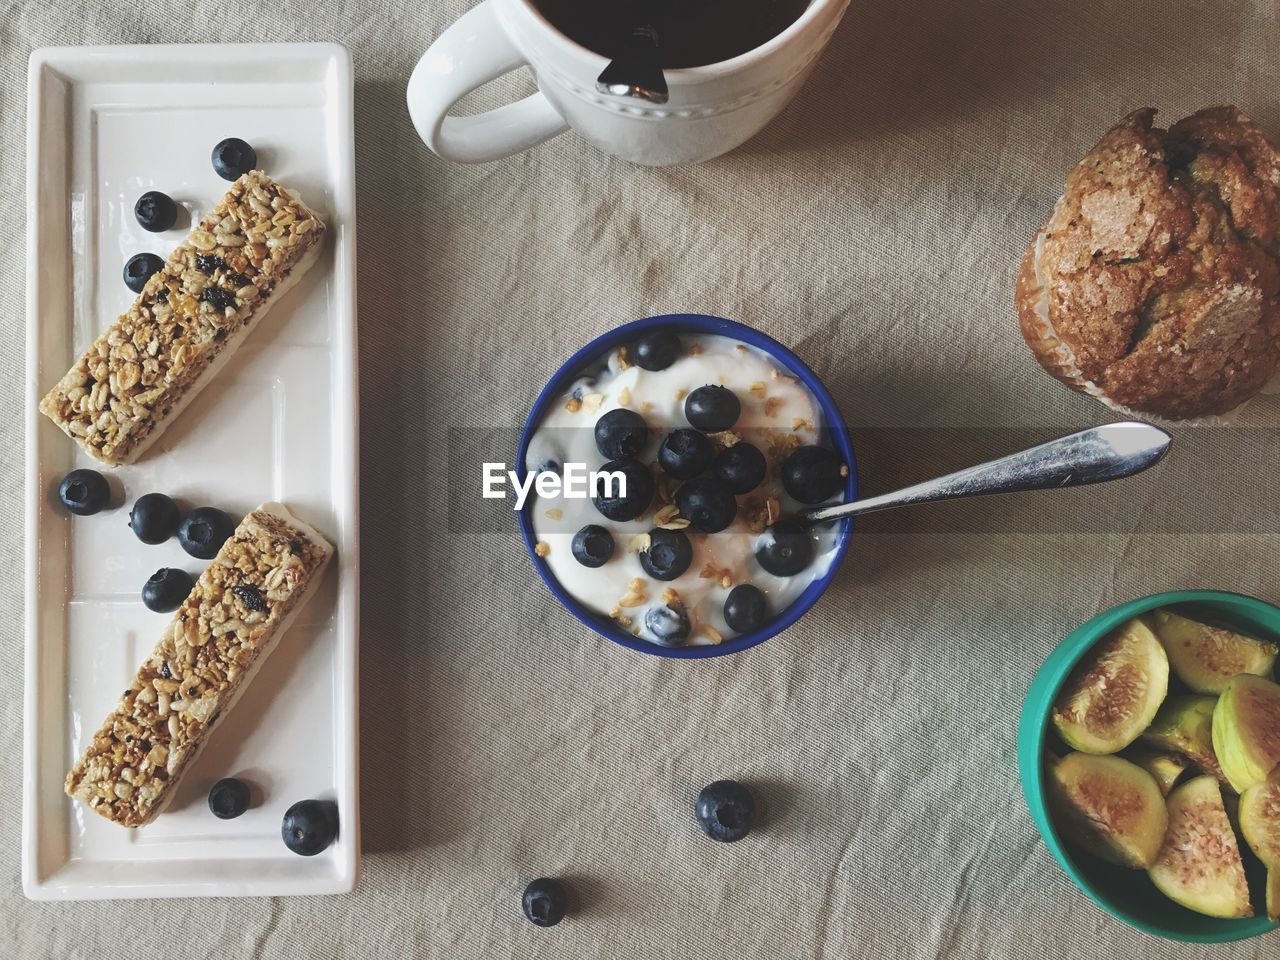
(1114, 692)
(1246, 730)
(1109, 807)
(1185, 724)
(1165, 766)
(1199, 866)
(1273, 894)
(1205, 657)
(1260, 819)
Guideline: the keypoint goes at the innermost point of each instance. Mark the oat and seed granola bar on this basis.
(219, 637)
(188, 320)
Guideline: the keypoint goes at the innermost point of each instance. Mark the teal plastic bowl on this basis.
(1128, 894)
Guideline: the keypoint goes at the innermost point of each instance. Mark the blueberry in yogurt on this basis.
(668, 555)
(139, 268)
(812, 473)
(668, 624)
(84, 492)
(608, 495)
(697, 497)
(726, 811)
(745, 609)
(154, 518)
(621, 433)
(656, 351)
(712, 408)
(592, 546)
(156, 211)
(741, 466)
(707, 503)
(685, 453)
(785, 549)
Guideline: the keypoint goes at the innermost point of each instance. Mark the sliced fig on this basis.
(1113, 694)
(1246, 730)
(1273, 894)
(1185, 724)
(1199, 865)
(1205, 657)
(1260, 819)
(1108, 807)
(1165, 766)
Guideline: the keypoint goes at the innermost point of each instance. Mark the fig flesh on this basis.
(1199, 866)
(1246, 730)
(1109, 807)
(1185, 724)
(1114, 692)
(1206, 657)
(1260, 819)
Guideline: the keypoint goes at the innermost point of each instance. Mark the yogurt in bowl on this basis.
(718, 429)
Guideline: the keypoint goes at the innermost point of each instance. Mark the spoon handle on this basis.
(1090, 456)
(637, 70)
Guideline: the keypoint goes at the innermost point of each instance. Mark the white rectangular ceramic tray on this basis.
(106, 124)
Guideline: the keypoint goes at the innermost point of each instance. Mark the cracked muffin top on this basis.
(1154, 284)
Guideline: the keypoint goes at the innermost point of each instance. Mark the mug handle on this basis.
(474, 50)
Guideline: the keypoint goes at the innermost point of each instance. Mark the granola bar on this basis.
(229, 624)
(188, 320)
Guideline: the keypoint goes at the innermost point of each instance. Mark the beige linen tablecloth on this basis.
(875, 228)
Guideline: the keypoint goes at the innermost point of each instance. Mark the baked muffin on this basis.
(1155, 285)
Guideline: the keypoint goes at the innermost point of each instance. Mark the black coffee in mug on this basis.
(692, 32)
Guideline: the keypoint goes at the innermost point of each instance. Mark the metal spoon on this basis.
(637, 70)
(1090, 456)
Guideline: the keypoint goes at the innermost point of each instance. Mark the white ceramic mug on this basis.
(711, 109)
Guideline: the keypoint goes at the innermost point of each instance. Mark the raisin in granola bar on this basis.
(188, 320)
(237, 612)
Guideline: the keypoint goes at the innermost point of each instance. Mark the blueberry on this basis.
(592, 545)
(685, 453)
(726, 810)
(545, 902)
(139, 268)
(621, 433)
(84, 492)
(166, 589)
(309, 826)
(228, 798)
(639, 489)
(669, 624)
(741, 466)
(656, 351)
(707, 503)
(745, 609)
(156, 211)
(785, 548)
(218, 297)
(233, 158)
(811, 474)
(712, 408)
(154, 518)
(210, 262)
(668, 555)
(204, 531)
